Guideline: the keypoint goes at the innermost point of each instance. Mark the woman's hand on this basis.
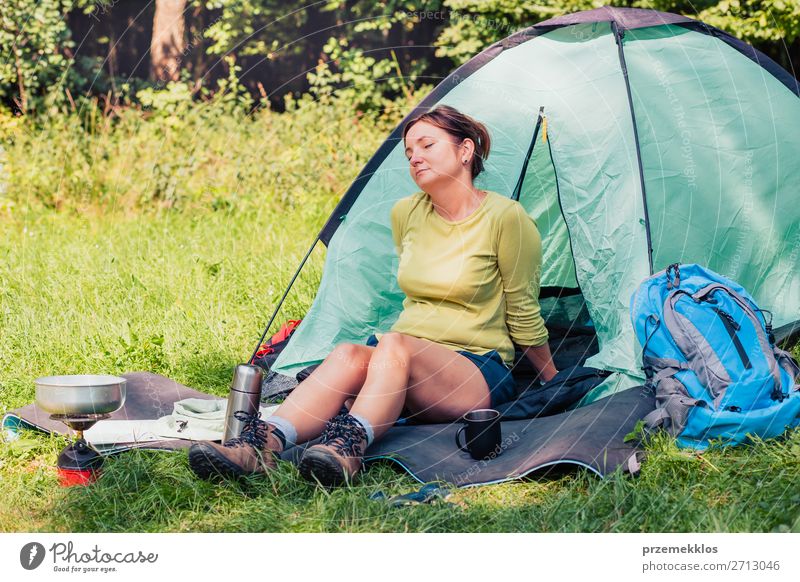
(542, 361)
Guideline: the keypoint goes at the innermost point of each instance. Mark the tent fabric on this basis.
(712, 164)
(539, 182)
(751, 53)
(685, 154)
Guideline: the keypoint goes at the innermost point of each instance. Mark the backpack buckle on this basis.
(676, 282)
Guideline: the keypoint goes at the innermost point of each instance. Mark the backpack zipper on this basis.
(777, 390)
(732, 327)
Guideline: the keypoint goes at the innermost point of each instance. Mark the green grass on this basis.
(185, 295)
(161, 246)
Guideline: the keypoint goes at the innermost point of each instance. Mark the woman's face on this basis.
(436, 158)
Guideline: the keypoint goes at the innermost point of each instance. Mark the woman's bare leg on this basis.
(435, 383)
(430, 378)
(320, 396)
(383, 393)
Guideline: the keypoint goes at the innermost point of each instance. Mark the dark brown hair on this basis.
(461, 127)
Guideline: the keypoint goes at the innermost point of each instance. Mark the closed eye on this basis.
(426, 147)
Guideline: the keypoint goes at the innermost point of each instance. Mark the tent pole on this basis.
(283, 297)
(618, 34)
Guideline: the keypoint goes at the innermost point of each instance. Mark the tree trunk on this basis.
(23, 98)
(167, 44)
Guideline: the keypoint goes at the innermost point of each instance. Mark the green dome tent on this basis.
(634, 138)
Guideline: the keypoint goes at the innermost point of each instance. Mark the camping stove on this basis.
(79, 402)
(79, 463)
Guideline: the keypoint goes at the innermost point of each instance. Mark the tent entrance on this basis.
(573, 337)
(538, 192)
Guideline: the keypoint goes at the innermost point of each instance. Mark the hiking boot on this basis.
(339, 456)
(254, 451)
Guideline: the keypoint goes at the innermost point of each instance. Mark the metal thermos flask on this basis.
(245, 396)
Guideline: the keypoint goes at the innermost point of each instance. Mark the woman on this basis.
(469, 265)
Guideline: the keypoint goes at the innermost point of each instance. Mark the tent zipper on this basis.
(561, 206)
(518, 188)
(732, 327)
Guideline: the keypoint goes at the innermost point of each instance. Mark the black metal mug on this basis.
(483, 434)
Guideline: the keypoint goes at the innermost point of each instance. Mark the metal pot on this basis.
(80, 394)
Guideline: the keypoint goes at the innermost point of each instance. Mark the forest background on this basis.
(122, 52)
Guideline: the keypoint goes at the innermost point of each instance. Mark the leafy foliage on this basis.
(462, 28)
(253, 27)
(358, 51)
(477, 23)
(756, 20)
(36, 45)
(182, 155)
(367, 83)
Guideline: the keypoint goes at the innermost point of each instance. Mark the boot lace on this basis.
(345, 435)
(254, 433)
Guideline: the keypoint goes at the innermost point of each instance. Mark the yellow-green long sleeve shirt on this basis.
(471, 284)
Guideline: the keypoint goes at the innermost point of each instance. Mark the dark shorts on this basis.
(502, 387)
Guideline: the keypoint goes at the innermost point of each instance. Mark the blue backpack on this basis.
(709, 354)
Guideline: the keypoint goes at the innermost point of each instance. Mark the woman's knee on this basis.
(351, 355)
(396, 344)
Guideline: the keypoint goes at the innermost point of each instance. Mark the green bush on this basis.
(181, 154)
(36, 69)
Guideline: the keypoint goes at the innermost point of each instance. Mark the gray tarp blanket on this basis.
(590, 436)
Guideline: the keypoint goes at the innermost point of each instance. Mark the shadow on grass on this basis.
(146, 491)
(149, 491)
(143, 491)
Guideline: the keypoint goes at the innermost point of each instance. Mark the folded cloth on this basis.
(111, 432)
(198, 419)
(191, 419)
(195, 419)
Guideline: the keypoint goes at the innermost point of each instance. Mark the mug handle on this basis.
(458, 443)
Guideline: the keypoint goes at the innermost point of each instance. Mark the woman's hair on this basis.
(461, 127)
